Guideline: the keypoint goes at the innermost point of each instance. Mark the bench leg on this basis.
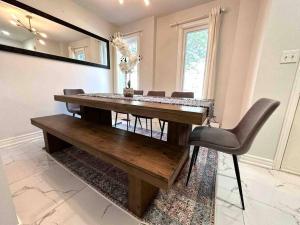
(53, 143)
(98, 116)
(140, 195)
(178, 133)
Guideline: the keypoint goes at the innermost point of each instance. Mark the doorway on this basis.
(288, 152)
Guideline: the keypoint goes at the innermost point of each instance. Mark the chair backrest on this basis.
(156, 93)
(178, 94)
(252, 122)
(73, 91)
(138, 92)
(71, 106)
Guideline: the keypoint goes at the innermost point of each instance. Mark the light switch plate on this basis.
(290, 56)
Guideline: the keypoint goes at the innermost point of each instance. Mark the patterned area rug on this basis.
(181, 205)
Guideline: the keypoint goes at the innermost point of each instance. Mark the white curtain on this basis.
(71, 52)
(210, 71)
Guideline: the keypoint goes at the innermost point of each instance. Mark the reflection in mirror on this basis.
(22, 29)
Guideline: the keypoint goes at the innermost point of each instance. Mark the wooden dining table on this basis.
(180, 117)
(151, 163)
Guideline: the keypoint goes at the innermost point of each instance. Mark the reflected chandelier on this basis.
(38, 35)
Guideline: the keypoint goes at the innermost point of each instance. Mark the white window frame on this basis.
(138, 36)
(183, 29)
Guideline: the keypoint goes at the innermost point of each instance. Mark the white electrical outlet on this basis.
(290, 56)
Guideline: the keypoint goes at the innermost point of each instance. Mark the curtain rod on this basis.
(193, 19)
(133, 32)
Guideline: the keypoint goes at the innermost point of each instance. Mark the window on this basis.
(133, 42)
(79, 53)
(195, 46)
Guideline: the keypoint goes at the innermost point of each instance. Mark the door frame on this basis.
(288, 122)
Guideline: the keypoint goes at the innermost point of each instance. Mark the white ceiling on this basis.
(133, 10)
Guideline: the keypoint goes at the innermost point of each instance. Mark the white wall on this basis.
(51, 47)
(9, 42)
(275, 80)
(28, 83)
(246, 48)
(29, 44)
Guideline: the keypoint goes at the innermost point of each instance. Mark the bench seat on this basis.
(145, 159)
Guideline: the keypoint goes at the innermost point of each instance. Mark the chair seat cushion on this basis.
(215, 138)
(75, 110)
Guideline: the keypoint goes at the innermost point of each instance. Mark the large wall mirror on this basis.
(26, 30)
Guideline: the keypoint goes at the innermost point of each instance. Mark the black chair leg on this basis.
(116, 119)
(191, 164)
(135, 121)
(151, 126)
(237, 172)
(196, 156)
(127, 121)
(146, 124)
(162, 130)
(140, 122)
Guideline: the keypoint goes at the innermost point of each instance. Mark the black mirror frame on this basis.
(59, 21)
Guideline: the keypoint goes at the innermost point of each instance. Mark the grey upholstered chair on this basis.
(236, 141)
(182, 94)
(135, 92)
(73, 108)
(175, 94)
(138, 92)
(137, 117)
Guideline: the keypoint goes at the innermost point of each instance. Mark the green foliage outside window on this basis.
(196, 47)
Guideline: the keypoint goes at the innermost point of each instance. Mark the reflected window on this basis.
(79, 53)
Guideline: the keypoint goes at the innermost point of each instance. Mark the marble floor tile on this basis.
(23, 161)
(38, 194)
(87, 208)
(44, 193)
(271, 197)
(228, 214)
(258, 213)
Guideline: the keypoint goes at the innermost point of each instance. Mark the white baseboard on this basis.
(257, 161)
(20, 139)
(290, 171)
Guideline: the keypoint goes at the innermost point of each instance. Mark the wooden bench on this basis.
(150, 163)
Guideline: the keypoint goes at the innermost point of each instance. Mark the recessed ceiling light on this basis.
(121, 2)
(5, 32)
(147, 2)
